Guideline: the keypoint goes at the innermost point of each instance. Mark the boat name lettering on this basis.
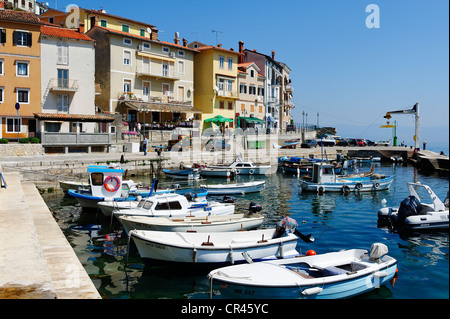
(155, 245)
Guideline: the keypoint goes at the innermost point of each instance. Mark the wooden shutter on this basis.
(15, 37)
(2, 36)
(29, 39)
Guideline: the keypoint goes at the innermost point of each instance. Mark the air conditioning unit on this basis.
(172, 54)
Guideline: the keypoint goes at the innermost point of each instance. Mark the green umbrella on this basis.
(219, 119)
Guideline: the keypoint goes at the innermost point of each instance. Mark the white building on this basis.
(67, 78)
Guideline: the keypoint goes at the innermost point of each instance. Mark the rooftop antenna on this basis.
(217, 35)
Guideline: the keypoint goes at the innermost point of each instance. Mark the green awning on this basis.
(218, 119)
(253, 120)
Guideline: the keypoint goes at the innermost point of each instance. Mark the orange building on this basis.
(20, 73)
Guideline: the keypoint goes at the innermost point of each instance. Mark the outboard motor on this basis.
(176, 186)
(189, 196)
(227, 199)
(254, 208)
(410, 206)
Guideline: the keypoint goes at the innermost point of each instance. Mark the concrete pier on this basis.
(36, 260)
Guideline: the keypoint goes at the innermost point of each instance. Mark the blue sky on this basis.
(351, 75)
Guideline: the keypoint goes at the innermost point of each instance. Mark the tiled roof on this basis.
(74, 117)
(19, 16)
(64, 33)
(129, 35)
(211, 47)
(99, 12)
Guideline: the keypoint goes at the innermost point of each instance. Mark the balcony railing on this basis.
(170, 75)
(230, 94)
(63, 85)
(289, 88)
(165, 99)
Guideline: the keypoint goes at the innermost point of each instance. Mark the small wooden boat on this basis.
(415, 215)
(66, 185)
(324, 179)
(326, 276)
(221, 223)
(190, 173)
(212, 247)
(237, 188)
(291, 143)
(175, 205)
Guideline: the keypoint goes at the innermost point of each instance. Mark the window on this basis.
(252, 108)
(1, 66)
(142, 33)
(230, 85)
(165, 49)
(52, 127)
(260, 91)
(104, 23)
(146, 45)
(51, 20)
(252, 90)
(168, 205)
(221, 84)
(230, 64)
(221, 62)
(125, 28)
(63, 54)
(13, 125)
(22, 38)
(145, 88)
(230, 105)
(180, 53)
(127, 85)
(23, 96)
(127, 41)
(221, 104)
(63, 78)
(2, 89)
(22, 69)
(165, 68)
(252, 73)
(181, 67)
(126, 57)
(63, 102)
(243, 88)
(2, 36)
(260, 109)
(242, 108)
(97, 179)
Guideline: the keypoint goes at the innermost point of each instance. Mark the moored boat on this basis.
(416, 215)
(221, 223)
(212, 247)
(324, 179)
(190, 173)
(245, 167)
(325, 276)
(236, 188)
(217, 172)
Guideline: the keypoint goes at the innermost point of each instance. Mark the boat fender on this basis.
(281, 250)
(310, 253)
(321, 189)
(345, 189)
(106, 185)
(231, 256)
(380, 274)
(312, 291)
(376, 185)
(194, 255)
(251, 171)
(358, 186)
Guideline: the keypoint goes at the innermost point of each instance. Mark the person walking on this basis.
(424, 144)
(144, 145)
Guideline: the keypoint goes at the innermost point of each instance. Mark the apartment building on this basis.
(20, 73)
(216, 82)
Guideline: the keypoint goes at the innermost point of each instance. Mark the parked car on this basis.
(309, 144)
(352, 142)
(291, 128)
(360, 142)
(217, 145)
(342, 143)
(370, 142)
(383, 143)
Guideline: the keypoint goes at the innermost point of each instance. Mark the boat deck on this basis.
(36, 260)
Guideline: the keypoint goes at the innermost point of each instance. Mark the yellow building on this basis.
(215, 82)
(20, 73)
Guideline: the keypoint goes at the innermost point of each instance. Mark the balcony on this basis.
(227, 94)
(289, 88)
(167, 75)
(63, 85)
(165, 99)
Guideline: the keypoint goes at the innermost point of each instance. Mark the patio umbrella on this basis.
(218, 119)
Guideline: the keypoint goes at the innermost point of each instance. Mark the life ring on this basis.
(251, 171)
(358, 186)
(345, 189)
(376, 185)
(107, 187)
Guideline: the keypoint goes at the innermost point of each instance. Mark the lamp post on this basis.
(17, 106)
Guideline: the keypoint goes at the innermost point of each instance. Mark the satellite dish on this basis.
(149, 30)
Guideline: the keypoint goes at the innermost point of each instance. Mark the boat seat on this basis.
(333, 271)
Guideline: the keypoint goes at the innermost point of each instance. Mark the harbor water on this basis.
(336, 221)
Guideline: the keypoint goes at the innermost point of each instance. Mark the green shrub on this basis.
(3, 141)
(24, 140)
(34, 140)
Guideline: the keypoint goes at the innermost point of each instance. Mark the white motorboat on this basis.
(324, 179)
(325, 276)
(220, 223)
(175, 205)
(66, 185)
(217, 172)
(245, 167)
(237, 188)
(212, 247)
(413, 214)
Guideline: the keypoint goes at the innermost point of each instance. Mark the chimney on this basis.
(273, 55)
(219, 45)
(81, 27)
(241, 51)
(176, 40)
(185, 42)
(154, 34)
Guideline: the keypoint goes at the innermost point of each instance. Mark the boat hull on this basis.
(422, 222)
(234, 189)
(353, 185)
(200, 225)
(155, 250)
